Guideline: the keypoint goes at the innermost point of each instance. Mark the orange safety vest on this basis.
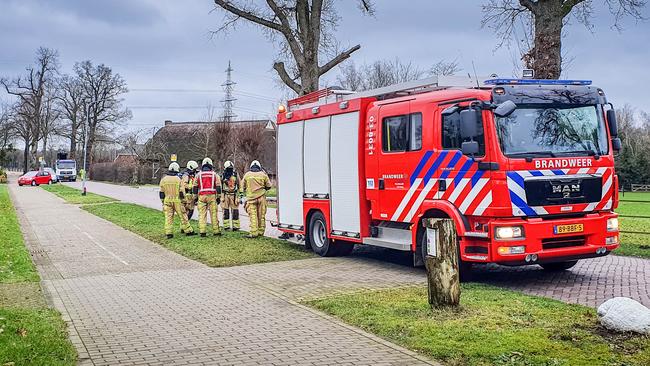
(205, 180)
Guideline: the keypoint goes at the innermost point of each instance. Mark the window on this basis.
(451, 133)
(402, 133)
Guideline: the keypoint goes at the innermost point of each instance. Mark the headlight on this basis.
(509, 232)
(612, 224)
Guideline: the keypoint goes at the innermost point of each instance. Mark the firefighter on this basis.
(171, 196)
(208, 188)
(230, 199)
(254, 185)
(187, 186)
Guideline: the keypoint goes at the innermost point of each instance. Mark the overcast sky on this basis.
(163, 45)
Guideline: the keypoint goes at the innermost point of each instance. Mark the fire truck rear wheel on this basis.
(317, 235)
(558, 266)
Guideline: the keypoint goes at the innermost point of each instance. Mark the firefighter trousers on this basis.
(230, 206)
(188, 205)
(208, 202)
(175, 207)
(256, 209)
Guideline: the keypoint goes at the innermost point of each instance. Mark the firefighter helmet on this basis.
(174, 167)
(207, 161)
(191, 165)
(255, 162)
(228, 164)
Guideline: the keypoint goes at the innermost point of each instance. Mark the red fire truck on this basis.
(524, 167)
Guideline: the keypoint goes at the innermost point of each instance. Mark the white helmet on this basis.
(228, 164)
(207, 161)
(174, 167)
(255, 162)
(191, 165)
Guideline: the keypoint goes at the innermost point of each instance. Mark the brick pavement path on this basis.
(590, 282)
(129, 301)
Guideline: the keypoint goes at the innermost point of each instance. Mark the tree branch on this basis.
(337, 60)
(288, 80)
(225, 4)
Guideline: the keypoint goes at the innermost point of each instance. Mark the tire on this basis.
(34, 183)
(317, 235)
(464, 268)
(558, 266)
(20, 184)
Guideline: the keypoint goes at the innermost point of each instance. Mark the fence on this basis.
(644, 201)
(640, 187)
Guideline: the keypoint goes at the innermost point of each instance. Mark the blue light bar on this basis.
(536, 82)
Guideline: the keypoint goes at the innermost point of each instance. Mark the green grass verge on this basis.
(273, 192)
(634, 196)
(634, 209)
(231, 249)
(30, 333)
(34, 337)
(73, 195)
(15, 263)
(636, 245)
(492, 327)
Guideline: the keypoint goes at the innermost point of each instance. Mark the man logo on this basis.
(566, 189)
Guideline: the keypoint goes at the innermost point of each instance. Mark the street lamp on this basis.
(83, 182)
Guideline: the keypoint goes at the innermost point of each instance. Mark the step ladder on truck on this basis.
(524, 167)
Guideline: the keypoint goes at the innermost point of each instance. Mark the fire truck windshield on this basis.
(538, 130)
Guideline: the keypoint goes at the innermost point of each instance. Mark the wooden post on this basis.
(442, 262)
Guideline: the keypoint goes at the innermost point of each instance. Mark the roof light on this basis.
(536, 82)
(282, 108)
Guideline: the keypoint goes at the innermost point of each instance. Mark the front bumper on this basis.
(546, 246)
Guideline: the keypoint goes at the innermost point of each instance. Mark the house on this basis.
(237, 141)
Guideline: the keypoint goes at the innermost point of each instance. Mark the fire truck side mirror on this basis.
(611, 122)
(616, 144)
(505, 109)
(468, 123)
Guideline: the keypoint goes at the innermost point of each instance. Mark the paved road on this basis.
(590, 282)
(148, 196)
(131, 302)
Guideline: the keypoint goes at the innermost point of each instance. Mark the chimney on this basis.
(168, 122)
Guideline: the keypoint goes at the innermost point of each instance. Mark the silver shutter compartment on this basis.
(316, 158)
(290, 174)
(344, 159)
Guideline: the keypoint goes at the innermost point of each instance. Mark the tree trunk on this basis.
(546, 55)
(73, 143)
(443, 275)
(26, 157)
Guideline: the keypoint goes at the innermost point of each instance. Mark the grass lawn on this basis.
(15, 263)
(231, 249)
(30, 332)
(73, 195)
(637, 245)
(492, 327)
(634, 208)
(634, 196)
(273, 192)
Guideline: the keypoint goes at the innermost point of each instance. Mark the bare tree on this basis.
(543, 21)
(70, 103)
(102, 97)
(50, 117)
(383, 73)
(304, 30)
(30, 91)
(252, 138)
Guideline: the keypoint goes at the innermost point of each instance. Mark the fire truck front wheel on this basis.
(320, 243)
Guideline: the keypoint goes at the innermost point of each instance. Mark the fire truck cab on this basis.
(525, 168)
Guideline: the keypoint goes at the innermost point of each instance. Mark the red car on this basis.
(35, 178)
